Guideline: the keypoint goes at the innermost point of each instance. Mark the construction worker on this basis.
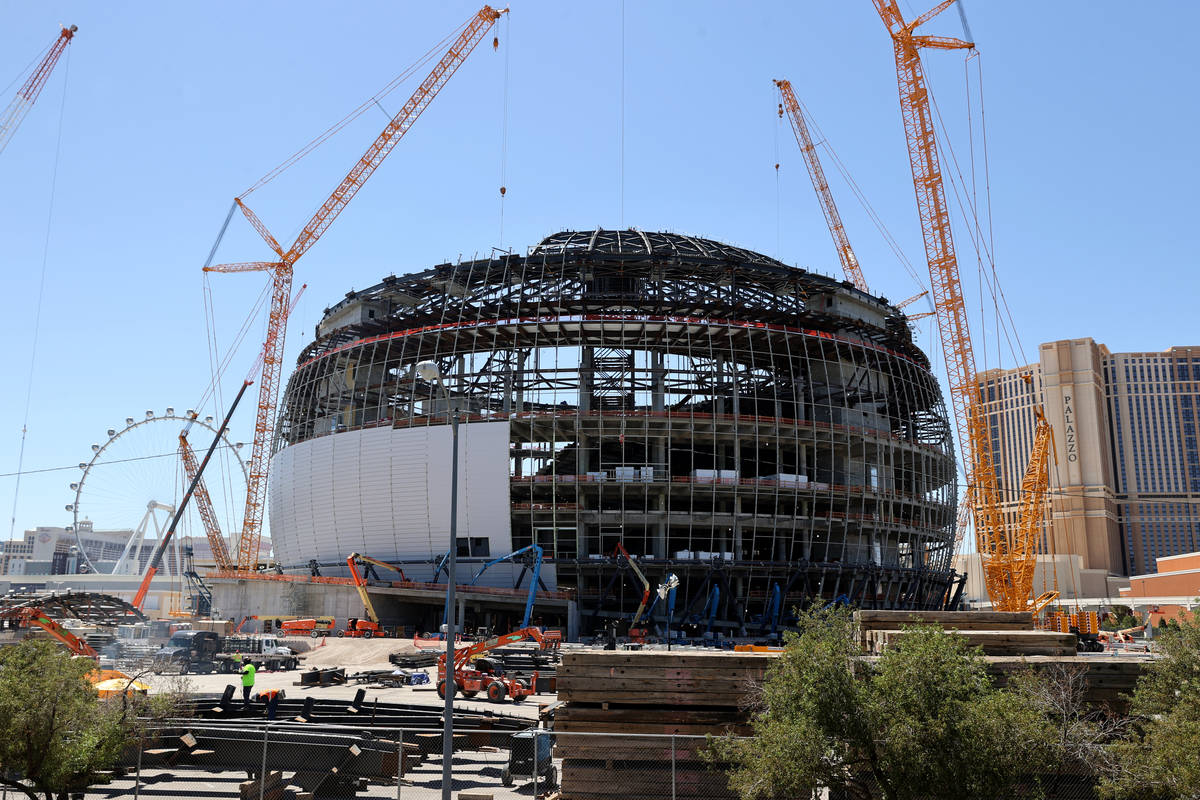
(248, 670)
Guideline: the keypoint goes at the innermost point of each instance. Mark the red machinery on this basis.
(491, 679)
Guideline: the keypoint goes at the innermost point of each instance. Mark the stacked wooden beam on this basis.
(623, 720)
(998, 633)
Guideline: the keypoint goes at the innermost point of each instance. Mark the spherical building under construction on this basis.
(770, 436)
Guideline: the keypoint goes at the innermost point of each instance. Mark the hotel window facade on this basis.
(1126, 485)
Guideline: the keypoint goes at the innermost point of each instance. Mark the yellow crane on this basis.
(1008, 553)
(829, 208)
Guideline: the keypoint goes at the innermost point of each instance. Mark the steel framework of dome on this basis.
(756, 429)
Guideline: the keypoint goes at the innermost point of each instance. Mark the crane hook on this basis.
(503, 191)
(495, 42)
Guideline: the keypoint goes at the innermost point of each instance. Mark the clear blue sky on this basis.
(171, 109)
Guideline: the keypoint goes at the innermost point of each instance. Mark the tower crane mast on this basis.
(12, 117)
(832, 218)
(281, 270)
(1004, 551)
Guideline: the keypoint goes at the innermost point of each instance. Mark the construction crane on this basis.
(29, 91)
(204, 506)
(281, 270)
(832, 218)
(139, 599)
(1007, 553)
(1024, 544)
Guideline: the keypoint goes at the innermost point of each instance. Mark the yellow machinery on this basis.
(1008, 553)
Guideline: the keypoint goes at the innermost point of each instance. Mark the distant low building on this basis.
(1175, 588)
(51, 550)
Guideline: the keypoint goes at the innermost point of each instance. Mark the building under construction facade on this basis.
(770, 436)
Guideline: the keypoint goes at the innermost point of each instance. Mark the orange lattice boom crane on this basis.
(1004, 551)
(820, 185)
(204, 506)
(281, 270)
(29, 91)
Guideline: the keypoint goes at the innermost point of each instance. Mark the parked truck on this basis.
(204, 652)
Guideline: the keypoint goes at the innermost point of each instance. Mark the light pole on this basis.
(428, 371)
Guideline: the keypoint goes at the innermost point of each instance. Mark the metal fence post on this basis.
(262, 776)
(672, 766)
(137, 778)
(535, 761)
(399, 761)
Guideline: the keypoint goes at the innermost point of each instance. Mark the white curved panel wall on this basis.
(386, 492)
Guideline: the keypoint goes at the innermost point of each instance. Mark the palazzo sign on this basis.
(1069, 419)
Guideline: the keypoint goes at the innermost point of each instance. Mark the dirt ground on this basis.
(353, 654)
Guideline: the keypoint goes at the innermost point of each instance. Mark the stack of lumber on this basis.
(1108, 680)
(998, 633)
(623, 718)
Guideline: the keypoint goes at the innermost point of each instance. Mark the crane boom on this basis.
(208, 514)
(1023, 542)
(139, 598)
(821, 186)
(29, 91)
(281, 271)
(953, 327)
(1008, 554)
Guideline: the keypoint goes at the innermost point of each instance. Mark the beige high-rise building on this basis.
(1126, 486)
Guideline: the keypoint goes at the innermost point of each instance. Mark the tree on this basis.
(1159, 760)
(55, 733)
(924, 720)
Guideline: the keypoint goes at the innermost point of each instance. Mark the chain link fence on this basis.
(287, 761)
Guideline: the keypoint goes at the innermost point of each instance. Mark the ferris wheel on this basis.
(129, 490)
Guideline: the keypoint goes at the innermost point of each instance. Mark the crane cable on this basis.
(37, 317)
(323, 137)
(504, 128)
(861, 196)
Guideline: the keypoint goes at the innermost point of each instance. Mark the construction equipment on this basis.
(242, 624)
(12, 117)
(369, 627)
(357, 628)
(494, 683)
(531, 754)
(38, 617)
(198, 590)
(281, 270)
(1006, 552)
(204, 505)
(312, 627)
(821, 186)
(139, 599)
(532, 563)
(625, 561)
